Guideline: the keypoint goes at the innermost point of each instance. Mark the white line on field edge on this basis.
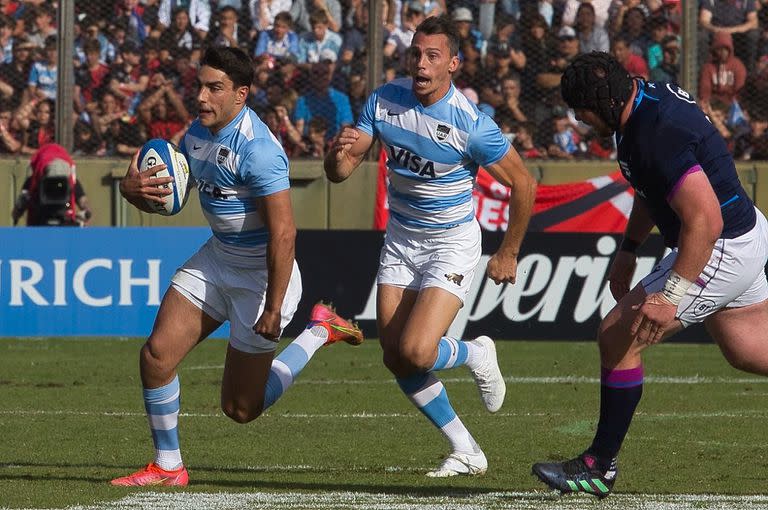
(337, 500)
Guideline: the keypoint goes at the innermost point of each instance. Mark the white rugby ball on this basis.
(157, 152)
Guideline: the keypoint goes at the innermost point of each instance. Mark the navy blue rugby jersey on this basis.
(666, 137)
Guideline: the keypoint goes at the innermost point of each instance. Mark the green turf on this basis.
(71, 418)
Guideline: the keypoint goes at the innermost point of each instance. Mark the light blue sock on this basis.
(162, 405)
(291, 361)
(428, 394)
(450, 353)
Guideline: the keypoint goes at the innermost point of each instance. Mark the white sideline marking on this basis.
(456, 501)
(695, 379)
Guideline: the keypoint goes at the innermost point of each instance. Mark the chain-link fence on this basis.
(135, 64)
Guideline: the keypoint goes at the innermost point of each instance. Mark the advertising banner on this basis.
(109, 281)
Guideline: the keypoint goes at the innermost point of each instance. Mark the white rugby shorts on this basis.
(417, 260)
(232, 287)
(733, 277)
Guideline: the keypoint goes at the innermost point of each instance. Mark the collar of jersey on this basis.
(232, 126)
(638, 99)
(443, 99)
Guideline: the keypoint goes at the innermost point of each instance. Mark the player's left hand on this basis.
(268, 325)
(502, 268)
(656, 315)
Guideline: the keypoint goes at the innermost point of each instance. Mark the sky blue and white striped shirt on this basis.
(241, 162)
(433, 153)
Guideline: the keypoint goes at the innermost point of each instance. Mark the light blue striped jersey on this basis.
(433, 153)
(241, 162)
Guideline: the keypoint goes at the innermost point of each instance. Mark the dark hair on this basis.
(318, 17)
(233, 62)
(597, 82)
(442, 24)
(285, 17)
(668, 39)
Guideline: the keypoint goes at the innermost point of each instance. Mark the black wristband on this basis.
(629, 245)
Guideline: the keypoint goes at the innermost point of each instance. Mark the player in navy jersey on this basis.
(435, 140)
(685, 184)
(245, 273)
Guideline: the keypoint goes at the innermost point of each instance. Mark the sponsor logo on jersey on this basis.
(213, 190)
(415, 164)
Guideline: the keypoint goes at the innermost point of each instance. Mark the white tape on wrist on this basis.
(675, 287)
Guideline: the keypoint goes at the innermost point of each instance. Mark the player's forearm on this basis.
(281, 251)
(639, 224)
(339, 170)
(521, 200)
(695, 242)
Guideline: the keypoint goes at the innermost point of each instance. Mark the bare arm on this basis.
(624, 262)
(346, 154)
(277, 214)
(511, 172)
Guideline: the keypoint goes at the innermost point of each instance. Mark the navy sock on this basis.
(620, 392)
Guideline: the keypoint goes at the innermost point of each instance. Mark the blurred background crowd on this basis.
(135, 66)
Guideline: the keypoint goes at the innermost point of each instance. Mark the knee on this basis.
(240, 413)
(154, 362)
(416, 356)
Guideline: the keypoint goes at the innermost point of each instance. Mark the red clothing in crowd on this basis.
(722, 79)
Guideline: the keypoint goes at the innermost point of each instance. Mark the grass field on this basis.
(344, 437)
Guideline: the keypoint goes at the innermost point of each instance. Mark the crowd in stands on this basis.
(135, 66)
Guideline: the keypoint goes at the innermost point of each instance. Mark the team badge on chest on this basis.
(442, 132)
(222, 155)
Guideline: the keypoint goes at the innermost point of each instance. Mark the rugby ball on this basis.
(157, 152)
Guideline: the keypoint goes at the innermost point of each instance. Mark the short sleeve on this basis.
(366, 122)
(673, 155)
(264, 169)
(486, 143)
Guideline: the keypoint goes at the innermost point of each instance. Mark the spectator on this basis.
(323, 101)
(43, 74)
(632, 62)
(737, 19)
(52, 194)
(122, 138)
(86, 140)
(463, 18)
(43, 27)
(129, 79)
(753, 144)
(592, 37)
(471, 71)
(356, 89)
(264, 13)
(228, 32)
(279, 122)
(510, 88)
(9, 139)
(14, 76)
(302, 11)
(400, 38)
(523, 141)
(315, 144)
(633, 31)
(506, 38)
(657, 27)
(199, 14)
(600, 9)
(724, 75)
(321, 38)
(280, 40)
(179, 35)
(183, 75)
(109, 109)
(566, 143)
(539, 47)
(96, 69)
(6, 39)
(163, 113)
(129, 14)
(92, 31)
(567, 50)
(40, 129)
(668, 70)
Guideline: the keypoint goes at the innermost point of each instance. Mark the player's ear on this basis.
(454, 64)
(242, 94)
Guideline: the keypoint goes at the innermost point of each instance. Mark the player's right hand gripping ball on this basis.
(157, 152)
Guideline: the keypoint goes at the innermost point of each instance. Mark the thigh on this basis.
(245, 381)
(741, 335)
(393, 307)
